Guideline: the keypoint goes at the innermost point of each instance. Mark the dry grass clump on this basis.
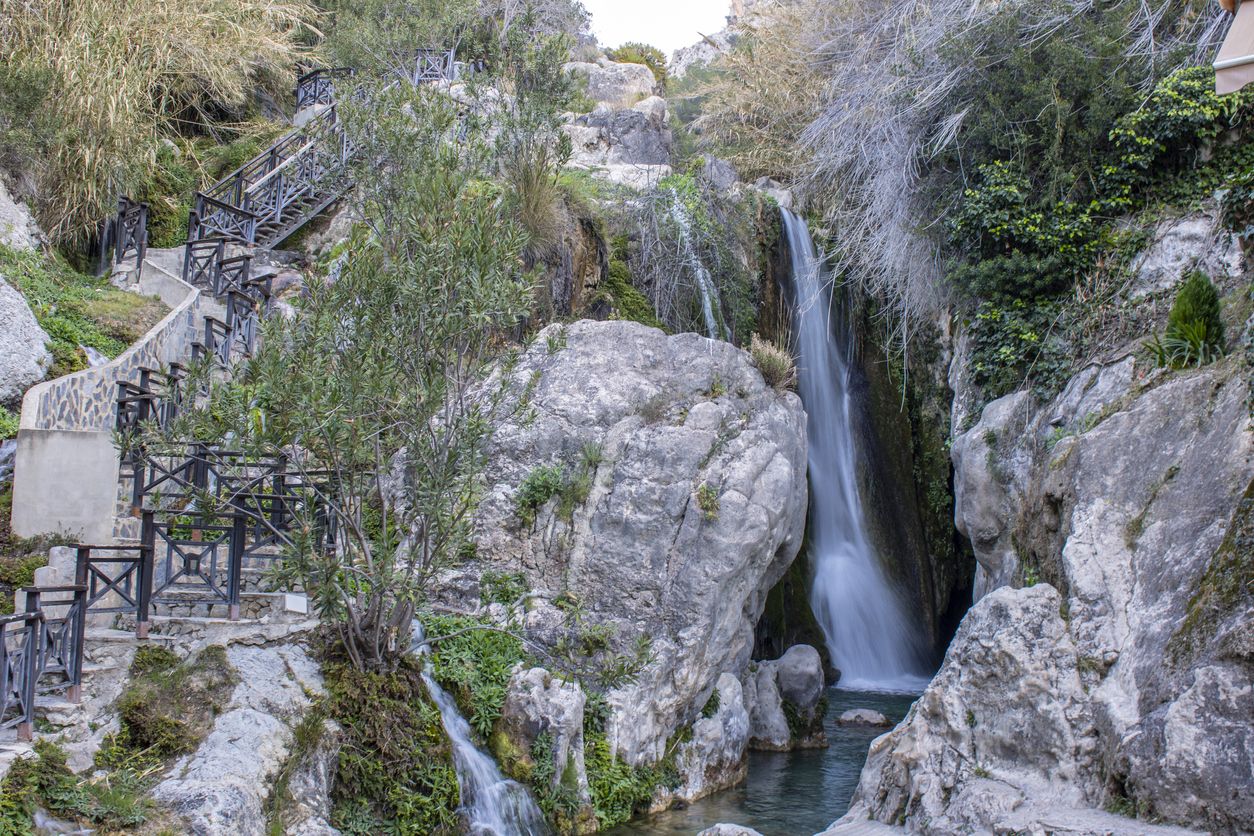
(122, 74)
(778, 368)
(768, 88)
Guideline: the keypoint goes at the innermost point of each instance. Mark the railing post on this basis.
(147, 557)
(30, 673)
(77, 617)
(235, 566)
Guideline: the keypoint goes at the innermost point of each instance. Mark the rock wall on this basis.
(694, 507)
(1109, 661)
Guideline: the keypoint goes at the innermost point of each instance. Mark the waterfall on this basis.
(492, 805)
(705, 282)
(870, 639)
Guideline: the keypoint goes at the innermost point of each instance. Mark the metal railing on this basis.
(317, 87)
(124, 235)
(41, 650)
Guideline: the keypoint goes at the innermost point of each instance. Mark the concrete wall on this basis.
(65, 482)
(66, 473)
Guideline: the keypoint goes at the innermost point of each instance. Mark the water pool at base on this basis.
(789, 793)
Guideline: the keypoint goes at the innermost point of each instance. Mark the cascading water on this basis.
(868, 635)
(705, 282)
(492, 805)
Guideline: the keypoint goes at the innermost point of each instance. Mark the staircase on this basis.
(185, 575)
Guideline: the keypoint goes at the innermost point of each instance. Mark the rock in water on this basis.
(679, 500)
(729, 830)
(792, 684)
(863, 717)
(24, 357)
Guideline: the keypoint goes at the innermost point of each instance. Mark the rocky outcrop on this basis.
(785, 701)
(680, 500)
(629, 146)
(24, 357)
(223, 786)
(614, 84)
(539, 704)
(863, 717)
(1121, 676)
(714, 759)
(18, 229)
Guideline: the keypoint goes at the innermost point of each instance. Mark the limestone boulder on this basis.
(682, 501)
(863, 717)
(24, 356)
(714, 759)
(729, 830)
(18, 229)
(792, 684)
(609, 138)
(615, 84)
(538, 703)
(224, 785)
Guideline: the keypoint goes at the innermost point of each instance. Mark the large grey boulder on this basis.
(693, 505)
(792, 683)
(714, 759)
(223, 786)
(618, 85)
(629, 146)
(539, 703)
(729, 830)
(18, 229)
(1132, 493)
(24, 357)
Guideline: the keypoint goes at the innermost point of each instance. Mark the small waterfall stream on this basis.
(705, 282)
(863, 620)
(492, 805)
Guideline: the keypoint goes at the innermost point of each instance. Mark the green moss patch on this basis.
(395, 770)
(78, 310)
(113, 802)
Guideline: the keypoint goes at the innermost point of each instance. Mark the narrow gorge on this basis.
(465, 418)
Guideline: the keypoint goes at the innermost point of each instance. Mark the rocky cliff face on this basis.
(680, 500)
(1109, 661)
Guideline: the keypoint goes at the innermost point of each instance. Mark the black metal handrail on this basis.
(20, 635)
(125, 234)
(317, 87)
(62, 632)
(118, 579)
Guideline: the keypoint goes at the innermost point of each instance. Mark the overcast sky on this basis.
(667, 24)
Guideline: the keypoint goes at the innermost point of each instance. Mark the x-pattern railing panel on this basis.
(19, 670)
(190, 562)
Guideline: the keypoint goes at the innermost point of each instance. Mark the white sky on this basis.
(666, 24)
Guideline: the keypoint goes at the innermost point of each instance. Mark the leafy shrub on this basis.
(1166, 132)
(474, 664)
(537, 488)
(395, 770)
(618, 789)
(1016, 345)
(627, 302)
(9, 422)
(778, 368)
(707, 501)
(501, 587)
(1195, 332)
(114, 802)
(638, 53)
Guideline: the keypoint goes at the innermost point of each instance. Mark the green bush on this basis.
(1195, 332)
(395, 772)
(1016, 345)
(474, 665)
(627, 302)
(638, 53)
(76, 309)
(115, 803)
(537, 488)
(9, 422)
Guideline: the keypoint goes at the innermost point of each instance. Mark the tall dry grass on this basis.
(124, 73)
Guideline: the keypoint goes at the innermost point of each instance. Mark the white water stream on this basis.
(705, 282)
(492, 805)
(870, 639)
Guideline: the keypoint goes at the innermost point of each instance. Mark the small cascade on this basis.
(705, 282)
(870, 639)
(492, 805)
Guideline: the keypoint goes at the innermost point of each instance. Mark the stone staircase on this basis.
(64, 686)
